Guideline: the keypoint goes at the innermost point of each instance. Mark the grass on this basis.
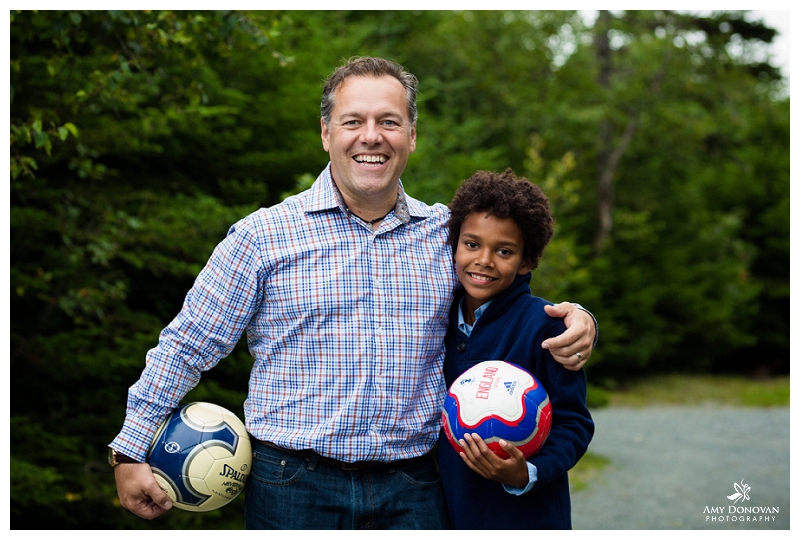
(582, 474)
(703, 390)
(688, 390)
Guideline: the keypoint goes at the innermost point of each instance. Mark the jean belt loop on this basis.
(311, 461)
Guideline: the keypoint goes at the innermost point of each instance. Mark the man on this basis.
(344, 291)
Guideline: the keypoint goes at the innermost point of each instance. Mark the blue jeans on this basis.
(288, 490)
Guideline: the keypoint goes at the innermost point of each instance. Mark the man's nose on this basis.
(371, 134)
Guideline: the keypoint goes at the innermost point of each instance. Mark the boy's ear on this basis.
(525, 267)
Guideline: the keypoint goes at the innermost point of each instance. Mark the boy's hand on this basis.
(578, 338)
(512, 472)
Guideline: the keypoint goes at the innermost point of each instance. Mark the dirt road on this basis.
(679, 468)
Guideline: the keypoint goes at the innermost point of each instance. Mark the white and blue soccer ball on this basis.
(498, 400)
(201, 456)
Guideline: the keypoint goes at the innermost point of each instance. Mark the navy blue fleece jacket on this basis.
(512, 329)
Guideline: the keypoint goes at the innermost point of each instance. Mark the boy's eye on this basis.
(471, 245)
(504, 252)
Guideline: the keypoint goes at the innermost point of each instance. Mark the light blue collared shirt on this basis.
(346, 363)
(462, 325)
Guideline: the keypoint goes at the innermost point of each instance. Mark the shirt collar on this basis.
(324, 195)
(462, 325)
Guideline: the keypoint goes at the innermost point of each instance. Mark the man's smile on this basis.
(369, 159)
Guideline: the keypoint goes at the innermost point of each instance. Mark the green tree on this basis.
(111, 219)
(664, 126)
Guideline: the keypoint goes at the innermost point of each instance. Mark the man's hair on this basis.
(364, 66)
(505, 196)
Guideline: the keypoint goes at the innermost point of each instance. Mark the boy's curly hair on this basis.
(505, 196)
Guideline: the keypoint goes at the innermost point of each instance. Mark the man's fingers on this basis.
(160, 497)
(572, 333)
(572, 362)
(559, 311)
(574, 347)
(139, 492)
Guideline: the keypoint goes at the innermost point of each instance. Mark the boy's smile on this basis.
(488, 258)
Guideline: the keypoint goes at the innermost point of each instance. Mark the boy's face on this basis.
(488, 257)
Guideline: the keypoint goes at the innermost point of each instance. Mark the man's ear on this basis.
(325, 134)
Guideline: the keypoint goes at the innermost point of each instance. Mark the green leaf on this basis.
(72, 129)
(40, 138)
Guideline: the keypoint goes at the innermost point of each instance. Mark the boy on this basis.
(499, 227)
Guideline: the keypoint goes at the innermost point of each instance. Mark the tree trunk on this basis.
(605, 186)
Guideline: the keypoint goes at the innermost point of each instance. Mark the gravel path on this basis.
(670, 466)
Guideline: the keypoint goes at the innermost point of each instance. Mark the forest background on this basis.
(138, 138)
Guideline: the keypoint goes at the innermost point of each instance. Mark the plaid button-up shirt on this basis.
(345, 324)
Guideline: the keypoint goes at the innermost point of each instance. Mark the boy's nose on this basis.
(484, 259)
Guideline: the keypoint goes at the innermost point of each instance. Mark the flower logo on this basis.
(741, 494)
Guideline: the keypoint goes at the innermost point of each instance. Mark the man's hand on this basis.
(480, 458)
(574, 347)
(139, 492)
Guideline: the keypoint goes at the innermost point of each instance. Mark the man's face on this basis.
(369, 138)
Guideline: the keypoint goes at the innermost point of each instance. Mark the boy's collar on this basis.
(462, 325)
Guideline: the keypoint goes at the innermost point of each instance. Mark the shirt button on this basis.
(461, 346)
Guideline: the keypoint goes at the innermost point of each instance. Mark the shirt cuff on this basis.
(532, 477)
(135, 437)
(596, 327)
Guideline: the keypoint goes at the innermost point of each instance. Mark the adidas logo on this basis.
(510, 386)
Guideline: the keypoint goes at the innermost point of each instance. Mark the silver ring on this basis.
(580, 356)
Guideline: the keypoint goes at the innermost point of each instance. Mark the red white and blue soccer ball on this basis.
(201, 456)
(498, 400)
